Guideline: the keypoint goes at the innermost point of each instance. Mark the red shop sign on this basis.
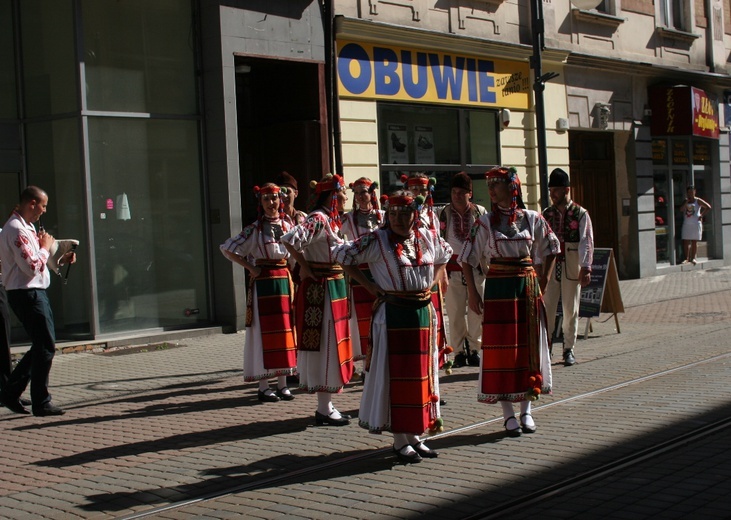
(683, 111)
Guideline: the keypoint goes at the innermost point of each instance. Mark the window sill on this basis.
(675, 34)
(594, 16)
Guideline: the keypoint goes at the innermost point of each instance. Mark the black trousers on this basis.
(5, 359)
(33, 309)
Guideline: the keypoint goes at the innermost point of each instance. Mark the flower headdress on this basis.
(509, 176)
(404, 199)
(330, 183)
(422, 181)
(268, 188)
(370, 187)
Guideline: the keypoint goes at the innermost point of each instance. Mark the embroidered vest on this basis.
(570, 232)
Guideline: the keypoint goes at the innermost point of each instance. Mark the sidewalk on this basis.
(144, 429)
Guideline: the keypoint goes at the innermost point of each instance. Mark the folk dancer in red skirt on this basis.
(519, 247)
(401, 391)
(363, 219)
(269, 349)
(420, 185)
(324, 350)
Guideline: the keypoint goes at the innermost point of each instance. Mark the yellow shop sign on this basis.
(394, 73)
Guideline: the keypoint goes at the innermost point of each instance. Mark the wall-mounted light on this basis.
(562, 124)
(243, 69)
(505, 117)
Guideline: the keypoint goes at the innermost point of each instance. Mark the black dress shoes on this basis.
(424, 452)
(284, 396)
(267, 396)
(515, 432)
(407, 456)
(524, 427)
(47, 410)
(568, 358)
(328, 420)
(14, 405)
(24, 401)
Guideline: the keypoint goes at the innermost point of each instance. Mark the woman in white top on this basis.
(401, 391)
(362, 220)
(520, 248)
(270, 295)
(324, 349)
(693, 210)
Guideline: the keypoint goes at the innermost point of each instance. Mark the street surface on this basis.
(638, 428)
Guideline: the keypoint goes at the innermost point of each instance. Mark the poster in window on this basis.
(398, 144)
(424, 140)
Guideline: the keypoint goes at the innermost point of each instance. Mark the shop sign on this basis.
(683, 111)
(399, 74)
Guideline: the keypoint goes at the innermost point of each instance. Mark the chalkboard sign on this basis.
(602, 294)
(590, 304)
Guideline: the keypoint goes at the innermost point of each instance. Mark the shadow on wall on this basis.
(290, 9)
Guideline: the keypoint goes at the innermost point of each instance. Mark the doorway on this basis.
(678, 163)
(593, 183)
(282, 125)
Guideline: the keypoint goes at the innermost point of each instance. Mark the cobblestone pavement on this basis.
(147, 429)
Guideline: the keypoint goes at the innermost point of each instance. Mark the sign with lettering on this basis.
(394, 73)
(683, 110)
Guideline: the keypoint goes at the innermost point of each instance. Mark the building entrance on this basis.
(282, 125)
(593, 183)
(678, 163)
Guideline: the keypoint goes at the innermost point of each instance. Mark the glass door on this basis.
(663, 217)
(681, 179)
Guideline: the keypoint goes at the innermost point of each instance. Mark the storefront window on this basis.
(146, 217)
(49, 59)
(8, 99)
(439, 141)
(53, 157)
(139, 56)
(663, 229)
(678, 163)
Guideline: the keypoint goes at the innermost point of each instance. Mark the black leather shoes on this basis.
(24, 401)
(568, 358)
(526, 429)
(47, 410)
(424, 452)
(267, 396)
(284, 396)
(14, 405)
(328, 420)
(407, 456)
(515, 432)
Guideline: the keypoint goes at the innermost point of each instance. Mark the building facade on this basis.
(149, 124)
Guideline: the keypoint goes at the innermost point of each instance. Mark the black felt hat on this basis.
(462, 180)
(558, 179)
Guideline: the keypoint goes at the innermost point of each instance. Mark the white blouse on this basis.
(397, 272)
(529, 236)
